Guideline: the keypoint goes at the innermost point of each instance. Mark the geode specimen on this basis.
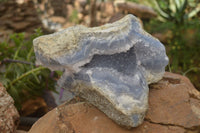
(110, 66)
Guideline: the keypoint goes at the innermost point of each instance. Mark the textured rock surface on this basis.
(110, 66)
(174, 106)
(175, 101)
(9, 117)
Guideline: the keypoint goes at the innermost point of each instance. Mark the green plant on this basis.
(18, 73)
(177, 11)
(184, 47)
(3, 0)
(137, 1)
(74, 17)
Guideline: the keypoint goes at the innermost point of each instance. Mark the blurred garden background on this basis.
(176, 23)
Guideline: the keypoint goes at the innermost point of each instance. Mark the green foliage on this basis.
(74, 17)
(176, 11)
(137, 1)
(185, 46)
(23, 81)
(3, 1)
(184, 50)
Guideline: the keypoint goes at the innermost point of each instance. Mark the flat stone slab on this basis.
(110, 66)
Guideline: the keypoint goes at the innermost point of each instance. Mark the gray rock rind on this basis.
(110, 66)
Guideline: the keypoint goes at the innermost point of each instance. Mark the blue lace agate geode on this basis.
(110, 66)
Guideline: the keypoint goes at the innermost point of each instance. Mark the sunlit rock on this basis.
(110, 66)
